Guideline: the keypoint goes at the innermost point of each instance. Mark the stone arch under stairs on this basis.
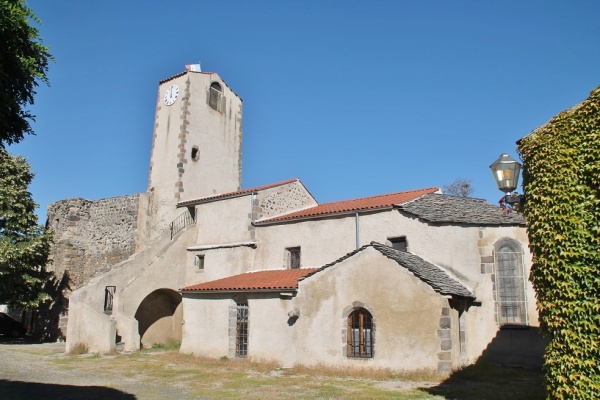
(159, 317)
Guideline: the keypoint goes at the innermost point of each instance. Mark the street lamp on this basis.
(506, 173)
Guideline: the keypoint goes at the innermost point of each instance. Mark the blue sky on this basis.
(355, 98)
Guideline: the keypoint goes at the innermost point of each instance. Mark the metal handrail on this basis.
(185, 219)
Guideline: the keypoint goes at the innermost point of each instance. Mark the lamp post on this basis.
(506, 173)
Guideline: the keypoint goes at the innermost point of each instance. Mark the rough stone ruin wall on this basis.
(92, 236)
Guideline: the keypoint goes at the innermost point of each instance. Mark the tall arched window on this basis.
(511, 301)
(360, 334)
(214, 97)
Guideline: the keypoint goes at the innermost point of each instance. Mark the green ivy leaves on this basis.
(561, 180)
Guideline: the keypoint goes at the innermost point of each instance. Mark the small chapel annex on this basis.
(409, 280)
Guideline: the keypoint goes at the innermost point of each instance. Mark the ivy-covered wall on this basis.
(561, 180)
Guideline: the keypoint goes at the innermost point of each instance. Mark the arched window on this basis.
(511, 302)
(360, 334)
(214, 97)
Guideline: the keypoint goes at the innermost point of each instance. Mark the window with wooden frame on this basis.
(293, 257)
(214, 96)
(360, 334)
(241, 330)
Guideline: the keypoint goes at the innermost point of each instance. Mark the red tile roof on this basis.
(280, 279)
(234, 194)
(347, 206)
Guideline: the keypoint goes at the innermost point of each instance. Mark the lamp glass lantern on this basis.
(506, 172)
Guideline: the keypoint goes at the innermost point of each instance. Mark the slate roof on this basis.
(434, 276)
(234, 194)
(452, 209)
(267, 280)
(352, 206)
(429, 273)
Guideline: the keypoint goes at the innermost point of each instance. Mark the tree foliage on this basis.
(561, 179)
(460, 187)
(23, 64)
(24, 245)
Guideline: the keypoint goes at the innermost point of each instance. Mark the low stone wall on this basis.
(92, 236)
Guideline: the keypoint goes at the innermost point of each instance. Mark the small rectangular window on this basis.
(109, 294)
(293, 257)
(399, 243)
(199, 261)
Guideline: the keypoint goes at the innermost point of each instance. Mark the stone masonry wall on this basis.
(280, 200)
(92, 236)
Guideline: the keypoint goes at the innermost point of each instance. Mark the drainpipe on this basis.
(357, 231)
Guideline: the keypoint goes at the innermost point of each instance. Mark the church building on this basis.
(408, 280)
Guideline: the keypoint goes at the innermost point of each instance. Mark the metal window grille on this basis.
(241, 337)
(360, 334)
(510, 287)
(109, 294)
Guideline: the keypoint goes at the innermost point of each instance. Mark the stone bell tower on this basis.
(196, 146)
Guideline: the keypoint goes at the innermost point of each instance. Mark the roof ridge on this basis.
(457, 287)
(238, 192)
(361, 204)
(382, 195)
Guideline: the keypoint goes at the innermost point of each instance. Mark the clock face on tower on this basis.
(171, 94)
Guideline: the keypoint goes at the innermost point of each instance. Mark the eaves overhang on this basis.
(283, 220)
(281, 291)
(232, 195)
(222, 246)
(212, 199)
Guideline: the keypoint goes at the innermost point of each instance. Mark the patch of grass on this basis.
(79, 348)
(368, 373)
(168, 346)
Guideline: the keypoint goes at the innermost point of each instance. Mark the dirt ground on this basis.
(27, 371)
(43, 371)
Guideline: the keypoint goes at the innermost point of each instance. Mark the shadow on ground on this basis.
(17, 390)
(509, 368)
(491, 382)
(24, 340)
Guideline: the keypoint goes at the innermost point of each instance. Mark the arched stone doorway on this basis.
(159, 317)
